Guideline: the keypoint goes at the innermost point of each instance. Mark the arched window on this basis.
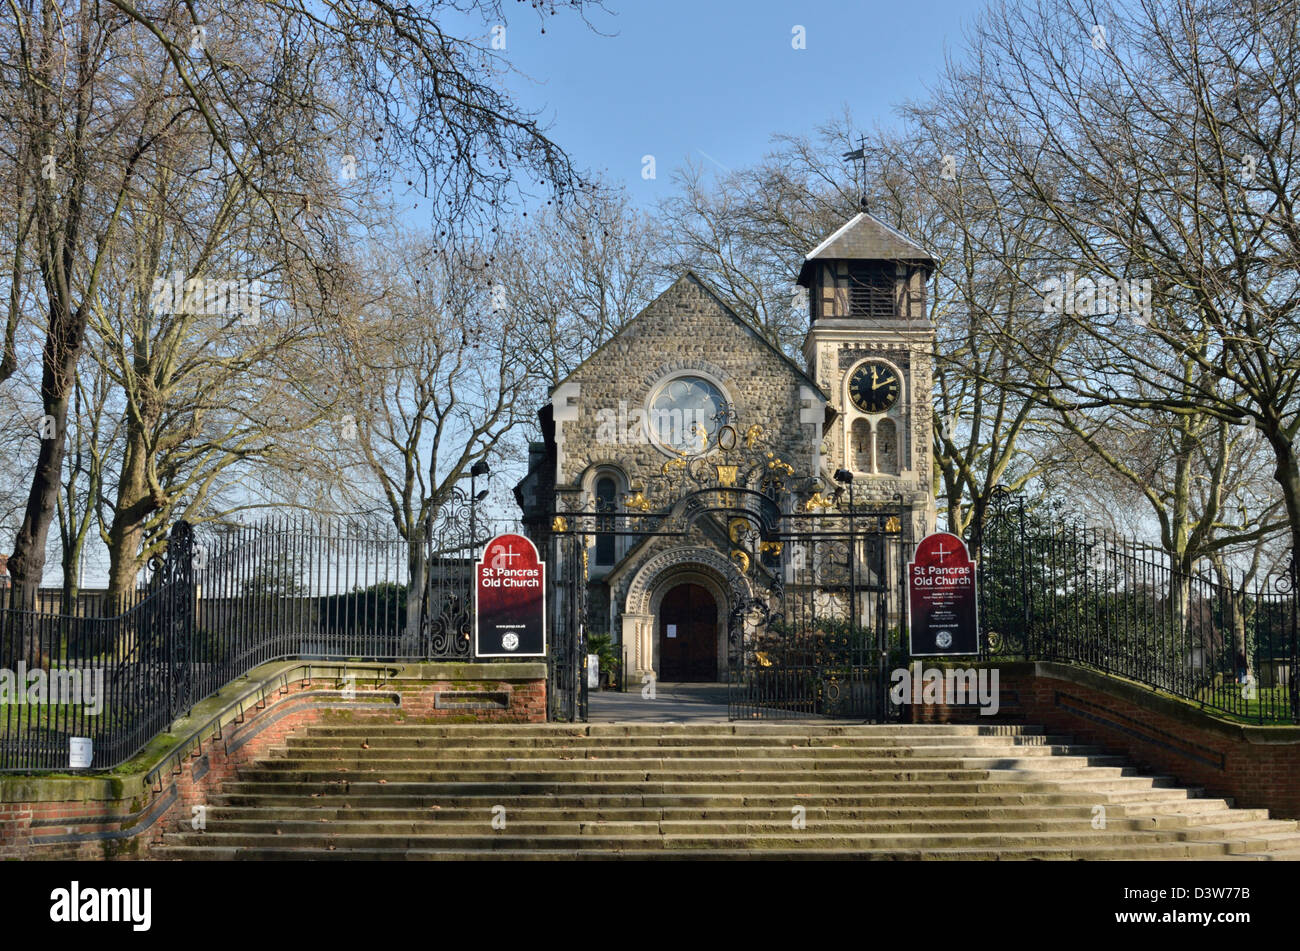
(887, 447)
(860, 445)
(606, 489)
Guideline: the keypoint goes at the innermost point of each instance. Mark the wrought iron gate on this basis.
(817, 616)
(566, 694)
(446, 619)
(822, 639)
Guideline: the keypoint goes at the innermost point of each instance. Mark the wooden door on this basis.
(688, 635)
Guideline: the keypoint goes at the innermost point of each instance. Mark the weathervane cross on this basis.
(859, 155)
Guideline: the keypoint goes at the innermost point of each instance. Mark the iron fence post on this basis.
(906, 539)
(1293, 682)
(1026, 593)
(176, 613)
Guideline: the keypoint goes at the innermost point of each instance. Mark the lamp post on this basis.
(479, 468)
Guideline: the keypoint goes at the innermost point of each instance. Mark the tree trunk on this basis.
(1241, 650)
(978, 519)
(1236, 596)
(71, 576)
(1287, 475)
(135, 503)
(1180, 587)
(414, 591)
(27, 563)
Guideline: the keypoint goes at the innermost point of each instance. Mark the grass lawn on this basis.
(1268, 705)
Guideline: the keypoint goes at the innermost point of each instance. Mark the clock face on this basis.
(874, 387)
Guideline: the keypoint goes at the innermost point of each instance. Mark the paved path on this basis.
(673, 703)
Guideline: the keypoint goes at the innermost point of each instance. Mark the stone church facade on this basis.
(687, 387)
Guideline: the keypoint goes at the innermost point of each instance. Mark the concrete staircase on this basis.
(652, 791)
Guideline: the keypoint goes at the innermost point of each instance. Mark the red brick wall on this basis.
(1257, 766)
(127, 825)
(24, 832)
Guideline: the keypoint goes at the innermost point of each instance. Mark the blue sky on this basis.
(714, 80)
(709, 80)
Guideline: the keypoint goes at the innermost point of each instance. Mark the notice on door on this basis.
(672, 630)
(943, 610)
(510, 600)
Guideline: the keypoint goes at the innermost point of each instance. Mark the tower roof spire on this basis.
(864, 237)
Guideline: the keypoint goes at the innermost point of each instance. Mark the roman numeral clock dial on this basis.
(874, 387)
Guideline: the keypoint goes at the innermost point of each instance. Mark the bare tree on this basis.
(1156, 144)
(747, 231)
(90, 92)
(572, 276)
(90, 429)
(987, 434)
(431, 380)
(206, 322)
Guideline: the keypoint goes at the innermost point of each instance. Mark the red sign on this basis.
(943, 611)
(510, 600)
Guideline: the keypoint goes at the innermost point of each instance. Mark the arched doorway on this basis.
(641, 597)
(688, 635)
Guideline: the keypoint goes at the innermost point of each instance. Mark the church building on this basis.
(688, 401)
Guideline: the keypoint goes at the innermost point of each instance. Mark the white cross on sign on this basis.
(940, 551)
(501, 557)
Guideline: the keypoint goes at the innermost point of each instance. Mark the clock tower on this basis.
(870, 348)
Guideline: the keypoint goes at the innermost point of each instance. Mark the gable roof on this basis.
(865, 237)
(691, 276)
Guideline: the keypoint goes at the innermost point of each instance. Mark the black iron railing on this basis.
(1054, 590)
(222, 600)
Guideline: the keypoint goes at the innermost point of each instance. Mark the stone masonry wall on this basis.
(686, 328)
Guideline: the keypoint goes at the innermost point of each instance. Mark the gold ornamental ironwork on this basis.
(818, 501)
(671, 464)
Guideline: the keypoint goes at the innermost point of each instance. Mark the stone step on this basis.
(803, 729)
(427, 791)
(690, 741)
(1275, 838)
(1135, 787)
(710, 766)
(1171, 800)
(388, 756)
(1281, 855)
(1151, 852)
(540, 809)
(1214, 842)
(532, 825)
(669, 772)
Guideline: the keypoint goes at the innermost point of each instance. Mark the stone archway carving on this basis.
(638, 592)
(666, 568)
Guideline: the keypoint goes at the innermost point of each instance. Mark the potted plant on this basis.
(602, 645)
